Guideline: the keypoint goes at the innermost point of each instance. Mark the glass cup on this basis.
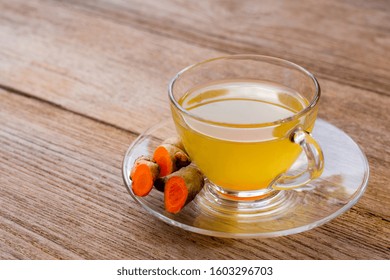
(249, 161)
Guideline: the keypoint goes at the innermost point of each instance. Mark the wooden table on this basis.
(79, 80)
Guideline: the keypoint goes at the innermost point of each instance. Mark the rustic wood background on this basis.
(79, 80)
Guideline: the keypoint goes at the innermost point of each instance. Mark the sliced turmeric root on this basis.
(180, 187)
(170, 158)
(143, 174)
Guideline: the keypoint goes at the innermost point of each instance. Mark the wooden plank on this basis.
(89, 62)
(345, 41)
(62, 197)
(91, 65)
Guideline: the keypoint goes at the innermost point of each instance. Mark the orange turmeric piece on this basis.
(180, 187)
(170, 157)
(143, 174)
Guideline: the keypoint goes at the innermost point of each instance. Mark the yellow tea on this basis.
(234, 148)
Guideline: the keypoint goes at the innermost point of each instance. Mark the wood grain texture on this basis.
(345, 41)
(83, 78)
(99, 61)
(89, 64)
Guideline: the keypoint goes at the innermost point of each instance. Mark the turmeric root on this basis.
(175, 141)
(180, 187)
(143, 174)
(170, 158)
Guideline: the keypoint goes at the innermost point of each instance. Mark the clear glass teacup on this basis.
(244, 121)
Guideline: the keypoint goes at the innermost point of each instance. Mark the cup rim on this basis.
(297, 115)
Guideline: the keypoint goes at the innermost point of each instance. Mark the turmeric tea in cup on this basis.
(245, 119)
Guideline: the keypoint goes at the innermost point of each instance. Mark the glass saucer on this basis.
(342, 183)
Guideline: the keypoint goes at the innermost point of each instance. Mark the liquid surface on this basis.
(243, 102)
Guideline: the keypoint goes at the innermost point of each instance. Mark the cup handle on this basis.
(315, 162)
